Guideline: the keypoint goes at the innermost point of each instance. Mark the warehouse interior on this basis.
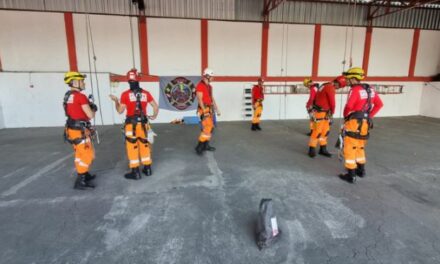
(205, 208)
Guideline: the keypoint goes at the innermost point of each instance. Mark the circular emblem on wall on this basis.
(180, 93)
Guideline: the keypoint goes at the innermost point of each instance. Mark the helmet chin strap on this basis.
(77, 87)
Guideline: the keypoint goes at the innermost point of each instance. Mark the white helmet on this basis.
(208, 72)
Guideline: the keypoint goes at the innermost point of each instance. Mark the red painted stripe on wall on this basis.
(123, 78)
(70, 37)
(143, 45)
(367, 48)
(204, 44)
(316, 48)
(415, 48)
(264, 49)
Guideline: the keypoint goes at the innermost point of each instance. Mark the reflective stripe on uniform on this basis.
(206, 136)
(145, 159)
(80, 163)
(350, 161)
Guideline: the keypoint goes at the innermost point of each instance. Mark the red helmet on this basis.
(341, 81)
(133, 76)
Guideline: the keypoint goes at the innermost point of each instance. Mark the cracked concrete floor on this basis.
(203, 209)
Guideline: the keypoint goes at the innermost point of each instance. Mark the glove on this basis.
(93, 107)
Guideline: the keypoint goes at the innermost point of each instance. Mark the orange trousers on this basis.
(354, 149)
(138, 151)
(320, 130)
(207, 124)
(258, 110)
(84, 151)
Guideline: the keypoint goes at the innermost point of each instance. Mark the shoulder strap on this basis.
(138, 96)
(367, 106)
(66, 98)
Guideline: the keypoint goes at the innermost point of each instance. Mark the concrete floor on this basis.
(203, 209)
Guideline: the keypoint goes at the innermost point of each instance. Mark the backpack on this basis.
(267, 231)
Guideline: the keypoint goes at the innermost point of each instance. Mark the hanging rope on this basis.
(285, 63)
(352, 18)
(282, 56)
(90, 38)
(131, 35)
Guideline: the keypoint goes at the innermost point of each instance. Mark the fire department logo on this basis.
(180, 93)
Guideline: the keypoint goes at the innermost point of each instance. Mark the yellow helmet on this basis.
(307, 81)
(73, 75)
(355, 72)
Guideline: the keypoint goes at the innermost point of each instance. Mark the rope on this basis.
(286, 58)
(131, 36)
(282, 56)
(90, 34)
(433, 86)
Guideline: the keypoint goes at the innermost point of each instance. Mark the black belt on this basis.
(358, 115)
(136, 119)
(77, 124)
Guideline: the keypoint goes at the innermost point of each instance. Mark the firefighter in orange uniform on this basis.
(78, 130)
(135, 101)
(257, 104)
(313, 87)
(207, 107)
(363, 103)
(322, 111)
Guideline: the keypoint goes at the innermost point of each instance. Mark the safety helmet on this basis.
(73, 75)
(133, 76)
(208, 72)
(261, 79)
(355, 72)
(341, 81)
(307, 81)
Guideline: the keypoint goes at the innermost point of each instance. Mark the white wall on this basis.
(428, 56)
(41, 105)
(390, 52)
(174, 49)
(335, 41)
(32, 41)
(234, 48)
(405, 104)
(112, 41)
(174, 46)
(293, 53)
(431, 96)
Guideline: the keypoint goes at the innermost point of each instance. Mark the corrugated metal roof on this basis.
(337, 13)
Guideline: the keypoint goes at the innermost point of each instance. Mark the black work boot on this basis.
(207, 147)
(89, 176)
(257, 126)
(81, 183)
(200, 148)
(254, 127)
(360, 170)
(324, 152)
(312, 152)
(135, 174)
(147, 170)
(350, 176)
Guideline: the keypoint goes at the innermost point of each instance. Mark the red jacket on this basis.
(325, 97)
(357, 101)
(313, 91)
(257, 93)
